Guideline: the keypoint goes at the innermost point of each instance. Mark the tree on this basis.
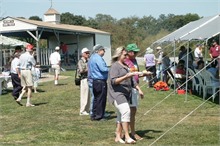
(35, 18)
(68, 18)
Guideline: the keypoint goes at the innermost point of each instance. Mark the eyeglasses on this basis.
(87, 53)
(125, 55)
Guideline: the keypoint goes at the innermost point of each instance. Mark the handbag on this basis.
(77, 78)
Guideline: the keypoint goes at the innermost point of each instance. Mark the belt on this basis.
(99, 80)
(25, 69)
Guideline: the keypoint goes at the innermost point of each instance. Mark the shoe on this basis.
(29, 105)
(103, 119)
(15, 97)
(84, 113)
(130, 141)
(106, 115)
(120, 141)
(136, 137)
(19, 102)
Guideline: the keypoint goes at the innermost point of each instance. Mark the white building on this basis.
(76, 37)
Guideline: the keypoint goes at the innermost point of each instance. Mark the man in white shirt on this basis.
(198, 52)
(55, 61)
(15, 76)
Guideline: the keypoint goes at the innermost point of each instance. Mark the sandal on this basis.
(120, 141)
(137, 137)
(130, 141)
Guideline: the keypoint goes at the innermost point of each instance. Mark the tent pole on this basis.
(187, 66)
(174, 54)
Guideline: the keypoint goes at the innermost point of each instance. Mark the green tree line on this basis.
(142, 31)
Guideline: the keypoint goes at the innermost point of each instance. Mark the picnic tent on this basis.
(202, 29)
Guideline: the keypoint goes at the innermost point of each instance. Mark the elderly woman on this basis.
(120, 83)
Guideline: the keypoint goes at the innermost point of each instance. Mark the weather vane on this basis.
(51, 4)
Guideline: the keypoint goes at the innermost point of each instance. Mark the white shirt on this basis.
(26, 61)
(198, 52)
(55, 58)
(14, 65)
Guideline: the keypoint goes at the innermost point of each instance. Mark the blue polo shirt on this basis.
(97, 67)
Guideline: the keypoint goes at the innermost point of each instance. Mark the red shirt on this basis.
(215, 51)
(64, 48)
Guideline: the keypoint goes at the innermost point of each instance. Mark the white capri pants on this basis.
(123, 112)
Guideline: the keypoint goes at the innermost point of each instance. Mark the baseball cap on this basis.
(30, 47)
(85, 50)
(159, 48)
(98, 47)
(132, 47)
(57, 48)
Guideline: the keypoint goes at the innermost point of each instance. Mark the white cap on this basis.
(85, 50)
(159, 48)
(57, 48)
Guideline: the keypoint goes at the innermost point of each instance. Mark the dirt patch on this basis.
(48, 77)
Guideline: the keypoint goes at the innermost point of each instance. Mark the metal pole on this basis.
(187, 66)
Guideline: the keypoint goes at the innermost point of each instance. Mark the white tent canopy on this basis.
(11, 42)
(201, 29)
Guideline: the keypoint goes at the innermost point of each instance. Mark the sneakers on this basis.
(106, 115)
(19, 102)
(29, 105)
(84, 113)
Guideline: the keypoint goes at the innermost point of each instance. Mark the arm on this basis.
(140, 91)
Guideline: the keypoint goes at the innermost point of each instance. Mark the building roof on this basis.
(63, 26)
(51, 11)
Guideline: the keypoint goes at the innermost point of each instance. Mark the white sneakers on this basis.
(29, 105)
(84, 113)
(55, 82)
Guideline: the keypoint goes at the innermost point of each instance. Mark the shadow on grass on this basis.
(40, 90)
(60, 84)
(143, 133)
(38, 104)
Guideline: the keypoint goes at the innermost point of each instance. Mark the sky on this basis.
(116, 8)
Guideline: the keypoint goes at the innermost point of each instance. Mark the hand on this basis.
(141, 94)
(130, 74)
(145, 72)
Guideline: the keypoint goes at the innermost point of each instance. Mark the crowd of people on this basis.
(163, 69)
(120, 82)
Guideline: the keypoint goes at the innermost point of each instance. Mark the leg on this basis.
(100, 93)
(84, 96)
(132, 122)
(29, 95)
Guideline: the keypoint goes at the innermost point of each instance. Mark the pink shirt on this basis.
(215, 51)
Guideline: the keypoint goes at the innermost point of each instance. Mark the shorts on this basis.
(134, 98)
(26, 78)
(56, 69)
(123, 112)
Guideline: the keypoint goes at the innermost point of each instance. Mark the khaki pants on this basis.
(84, 96)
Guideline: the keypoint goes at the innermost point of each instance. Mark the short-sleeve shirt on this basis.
(215, 51)
(26, 61)
(121, 93)
(55, 58)
(14, 65)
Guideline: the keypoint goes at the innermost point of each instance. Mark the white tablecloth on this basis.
(3, 78)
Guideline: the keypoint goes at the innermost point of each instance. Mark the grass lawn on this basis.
(55, 119)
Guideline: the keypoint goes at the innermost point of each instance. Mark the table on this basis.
(3, 78)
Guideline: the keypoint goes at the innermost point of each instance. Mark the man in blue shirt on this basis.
(98, 72)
